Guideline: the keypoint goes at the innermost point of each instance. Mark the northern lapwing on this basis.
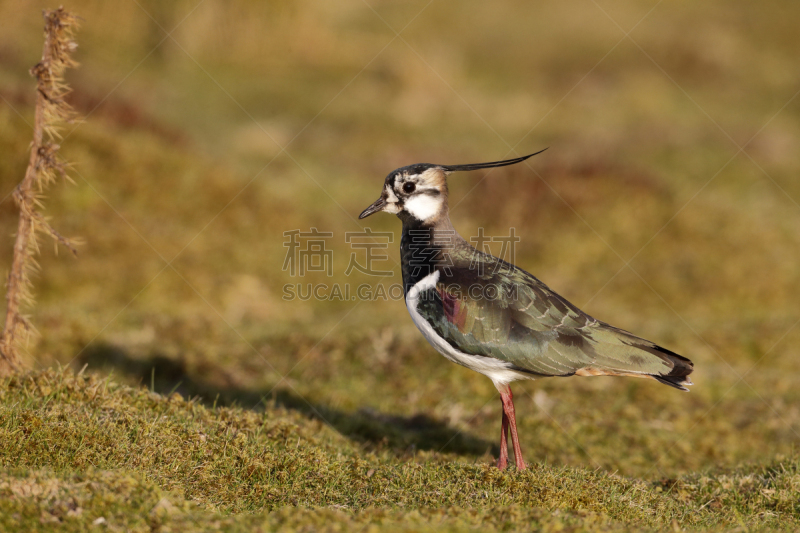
(495, 318)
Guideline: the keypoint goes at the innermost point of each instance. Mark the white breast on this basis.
(498, 371)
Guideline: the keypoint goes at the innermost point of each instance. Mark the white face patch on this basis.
(423, 206)
(391, 197)
(391, 202)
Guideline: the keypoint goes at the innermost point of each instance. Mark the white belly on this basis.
(500, 372)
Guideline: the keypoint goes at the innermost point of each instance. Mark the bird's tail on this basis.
(678, 377)
(619, 352)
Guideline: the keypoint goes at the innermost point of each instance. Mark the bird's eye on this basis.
(409, 187)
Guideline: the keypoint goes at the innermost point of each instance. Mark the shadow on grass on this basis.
(402, 434)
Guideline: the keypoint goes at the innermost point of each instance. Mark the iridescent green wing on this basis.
(484, 306)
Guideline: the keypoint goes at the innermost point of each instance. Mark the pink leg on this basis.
(502, 461)
(508, 411)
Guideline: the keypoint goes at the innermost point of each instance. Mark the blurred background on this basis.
(666, 204)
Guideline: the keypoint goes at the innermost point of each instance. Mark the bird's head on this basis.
(419, 191)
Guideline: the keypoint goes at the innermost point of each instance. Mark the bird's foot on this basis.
(521, 464)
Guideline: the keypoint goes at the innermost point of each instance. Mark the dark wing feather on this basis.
(484, 306)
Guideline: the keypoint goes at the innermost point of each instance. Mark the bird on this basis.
(493, 317)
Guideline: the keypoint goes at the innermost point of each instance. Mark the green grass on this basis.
(78, 449)
(639, 213)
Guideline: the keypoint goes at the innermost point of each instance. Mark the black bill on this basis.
(378, 205)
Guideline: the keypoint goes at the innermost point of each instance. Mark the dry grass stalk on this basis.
(44, 166)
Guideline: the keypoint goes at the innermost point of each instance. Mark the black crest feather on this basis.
(492, 164)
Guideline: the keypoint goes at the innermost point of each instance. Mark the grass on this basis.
(641, 212)
(80, 449)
